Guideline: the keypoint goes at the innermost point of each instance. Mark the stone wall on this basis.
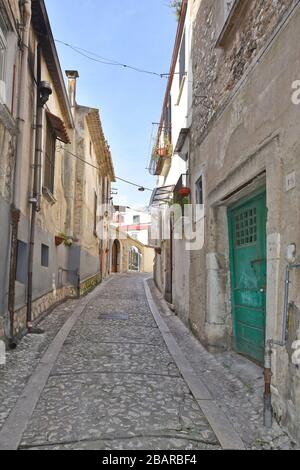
(42, 305)
(48, 301)
(244, 138)
(217, 70)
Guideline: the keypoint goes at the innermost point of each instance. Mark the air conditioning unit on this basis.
(2, 92)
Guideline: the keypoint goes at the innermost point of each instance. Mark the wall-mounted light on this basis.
(45, 92)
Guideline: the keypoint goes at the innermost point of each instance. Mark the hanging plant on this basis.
(184, 191)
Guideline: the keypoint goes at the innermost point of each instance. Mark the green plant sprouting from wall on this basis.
(176, 5)
(67, 241)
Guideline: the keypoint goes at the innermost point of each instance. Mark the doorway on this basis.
(247, 238)
(116, 252)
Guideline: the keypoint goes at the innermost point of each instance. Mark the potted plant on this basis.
(184, 191)
(162, 152)
(63, 238)
(59, 240)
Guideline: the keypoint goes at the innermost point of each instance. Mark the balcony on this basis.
(161, 158)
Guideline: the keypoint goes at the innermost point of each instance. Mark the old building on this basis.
(90, 191)
(170, 164)
(137, 223)
(130, 250)
(244, 143)
(236, 143)
(56, 170)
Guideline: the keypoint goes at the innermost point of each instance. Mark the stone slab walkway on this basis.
(113, 383)
(235, 383)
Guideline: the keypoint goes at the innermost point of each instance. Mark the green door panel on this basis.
(247, 236)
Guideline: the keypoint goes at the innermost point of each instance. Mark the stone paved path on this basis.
(114, 384)
(235, 383)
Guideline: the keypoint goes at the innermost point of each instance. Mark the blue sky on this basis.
(136, 32)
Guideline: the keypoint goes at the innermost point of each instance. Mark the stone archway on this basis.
(134, 259)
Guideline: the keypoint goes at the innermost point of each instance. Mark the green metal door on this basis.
(247, 235)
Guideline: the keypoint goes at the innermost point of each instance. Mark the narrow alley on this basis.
(102, 377)
(114, 383)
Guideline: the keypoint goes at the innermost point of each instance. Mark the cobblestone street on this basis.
(113, 383)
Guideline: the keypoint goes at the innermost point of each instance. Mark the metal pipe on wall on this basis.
(271, 343)
(43, 92)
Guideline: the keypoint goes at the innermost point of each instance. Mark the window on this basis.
(22, 262)
(228, 4)
(246, 227)
(95, 213)
(136, 220)
(50, 158)
(104, 191)
(45, 256)
(3, 56)
(168, 120)
(199, 191)
(182, 61)
(229, 14)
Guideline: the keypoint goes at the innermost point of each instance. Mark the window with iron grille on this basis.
(136, 219)
(49, 172)
(246, 227)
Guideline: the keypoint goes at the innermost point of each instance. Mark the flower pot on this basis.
(59, 240)
(184, 192)
(162, 152)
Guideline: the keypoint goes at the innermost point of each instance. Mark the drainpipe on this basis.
(20, 149)
(268, 413)
(271, 343)
(43, 92)
(69, 163)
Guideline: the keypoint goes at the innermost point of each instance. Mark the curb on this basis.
(220, 424)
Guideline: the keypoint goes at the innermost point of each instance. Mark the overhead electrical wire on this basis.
(103, 60)
(97, 168)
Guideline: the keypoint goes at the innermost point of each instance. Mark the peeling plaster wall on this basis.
(7, 158)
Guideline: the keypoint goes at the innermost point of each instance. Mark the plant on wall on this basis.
(64, 239)
(176, 5)
(168, 146)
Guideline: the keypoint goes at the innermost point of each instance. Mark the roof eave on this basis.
(48, 45)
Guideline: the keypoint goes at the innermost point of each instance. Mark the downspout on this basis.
(43, 93)
(20, 148)
(271, 344)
